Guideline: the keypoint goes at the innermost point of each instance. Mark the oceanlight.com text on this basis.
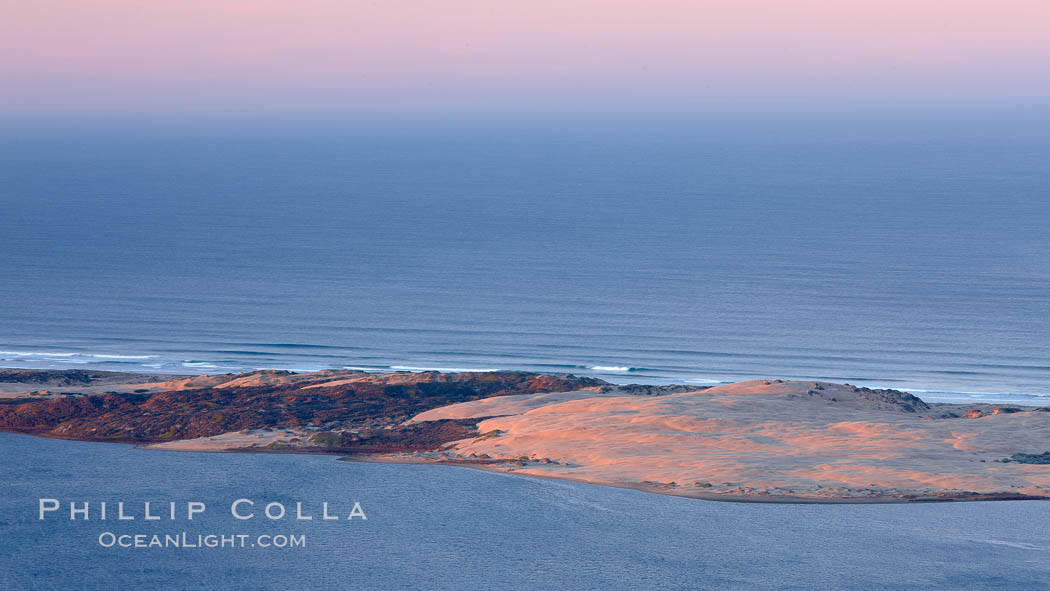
(190, 540)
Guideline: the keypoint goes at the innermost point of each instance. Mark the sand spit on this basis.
(244, 440)
(762, 440)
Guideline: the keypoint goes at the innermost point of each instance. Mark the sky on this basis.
(570, 55)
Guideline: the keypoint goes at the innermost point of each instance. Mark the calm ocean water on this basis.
(438, 527)
(918, 263)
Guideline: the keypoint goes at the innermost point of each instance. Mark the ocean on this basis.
(906, 260)
(442, 527)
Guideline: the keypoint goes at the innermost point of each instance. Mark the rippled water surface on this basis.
(921, 264)
(438, 527)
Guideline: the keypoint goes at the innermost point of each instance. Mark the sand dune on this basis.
(507, 405)
(762, 439)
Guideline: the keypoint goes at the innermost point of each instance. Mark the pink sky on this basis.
(305, 54)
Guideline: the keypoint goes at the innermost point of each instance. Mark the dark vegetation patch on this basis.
(374, 404)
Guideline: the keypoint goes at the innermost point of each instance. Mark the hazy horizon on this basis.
(163, 60)
(1028, 124)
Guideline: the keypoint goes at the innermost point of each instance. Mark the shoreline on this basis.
(496, 465)
(762, 499)
(494, 468)
(770, 441)
(932, 394)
